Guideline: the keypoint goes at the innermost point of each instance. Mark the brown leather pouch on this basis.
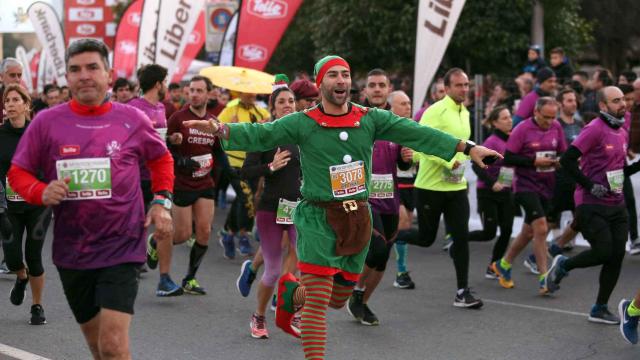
(351, 222)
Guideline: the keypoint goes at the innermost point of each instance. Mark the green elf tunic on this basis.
(327, 145)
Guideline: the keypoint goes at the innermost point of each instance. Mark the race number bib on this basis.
(162, 132)
(206, 164)
(90, 178)
(506, 176)
(381, 186)
(12, 195)
(549, 155)
(615, 178)
(455, 176)
(347, 179)
(284, 215)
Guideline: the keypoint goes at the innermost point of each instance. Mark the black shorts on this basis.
(407, 198)
(113, 288)
(535, 206)
(187, 198)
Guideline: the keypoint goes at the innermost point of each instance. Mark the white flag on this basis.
(436, 21)
(49, 31)
(175, 22)
(227, 54)
(147, 35)
(21, 55)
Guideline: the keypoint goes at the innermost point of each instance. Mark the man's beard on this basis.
(328, 95)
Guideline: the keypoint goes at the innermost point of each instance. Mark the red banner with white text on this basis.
(196, 41)
(126, 43)
(262, 24)
(89, 18)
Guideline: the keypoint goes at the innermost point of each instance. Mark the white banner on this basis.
(21, 55)
(436, 21)
(147, 34)
(14, 18)
(49, 31)
(176, 21)
(42, 69)
(227, 54)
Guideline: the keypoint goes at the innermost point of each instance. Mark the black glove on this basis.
(187, 164)
(5, 226)
(599, 191)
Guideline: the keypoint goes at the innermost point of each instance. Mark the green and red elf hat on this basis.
(324, 64)
(280, 81)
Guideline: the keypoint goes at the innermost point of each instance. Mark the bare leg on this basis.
(540, 232)
(520, 242)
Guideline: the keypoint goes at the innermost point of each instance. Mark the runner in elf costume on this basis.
(333, 220)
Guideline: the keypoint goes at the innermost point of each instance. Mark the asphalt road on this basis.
(415, 324)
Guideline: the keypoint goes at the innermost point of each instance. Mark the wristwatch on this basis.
(468, 145)
(162, 200)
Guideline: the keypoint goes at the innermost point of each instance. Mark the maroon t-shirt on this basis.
(197, 145)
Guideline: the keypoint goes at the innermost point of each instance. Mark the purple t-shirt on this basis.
(384, 161)
(96, 233)
(494, 142)
(603, 157)
(530, 140)
(155, 113)
(527, 105)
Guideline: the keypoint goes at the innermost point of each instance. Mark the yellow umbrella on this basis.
(239, 79)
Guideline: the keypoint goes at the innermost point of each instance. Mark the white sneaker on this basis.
(635, 248)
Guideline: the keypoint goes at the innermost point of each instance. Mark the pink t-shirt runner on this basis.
(530, 140)
(155, 113)
(95, 233)
(603, 158)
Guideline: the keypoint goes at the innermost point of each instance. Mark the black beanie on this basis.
(543, 74)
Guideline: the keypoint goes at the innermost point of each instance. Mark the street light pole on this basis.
(537, 26)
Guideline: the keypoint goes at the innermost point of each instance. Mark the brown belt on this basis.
(351, 222)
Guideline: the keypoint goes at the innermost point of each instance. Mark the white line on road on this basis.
(19, 354)
(536, 307)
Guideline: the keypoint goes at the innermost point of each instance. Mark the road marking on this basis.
(19, 354)
(536, 307)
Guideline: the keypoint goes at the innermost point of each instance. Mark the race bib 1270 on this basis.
(89, 178)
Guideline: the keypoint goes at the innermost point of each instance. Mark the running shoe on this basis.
(543, 285)
(246, 278)
(228, 244)
(191, 240)
(448, 241)
(259, 327)
(368, 317)
(504, 275)
(274, 301)
(166, 288)
(37, 315)
(403, 281)
(245, 246)
(465, 299)
(530, 263)
(490, 274)
(152, 252)
(18, 291)
(628, 324)
(4, 269)
(554, 250)
(355, 307)
(556, 273)
(286, 309)
(635, 248)
(601, 314)
(192, 287)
